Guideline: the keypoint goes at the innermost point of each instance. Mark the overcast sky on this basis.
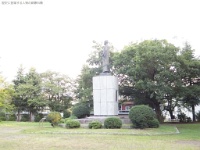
(57, 35)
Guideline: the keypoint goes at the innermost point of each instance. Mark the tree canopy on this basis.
(150, 73)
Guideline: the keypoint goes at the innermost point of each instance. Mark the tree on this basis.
(190, 71)
(28, 90)
(84, 85)
(19, 98)
(147, 72)
(33, 90)
(58, 90)
(6, 93)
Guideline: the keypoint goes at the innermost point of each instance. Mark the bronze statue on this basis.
(105, 57)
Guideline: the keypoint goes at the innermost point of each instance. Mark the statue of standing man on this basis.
(105, 57)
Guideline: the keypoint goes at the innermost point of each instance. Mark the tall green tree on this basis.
(190, 70)
(33, 90)
(19, 98)
(28, 92)
(58, 90)
(147, 72)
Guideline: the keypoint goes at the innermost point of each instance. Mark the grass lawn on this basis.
(24, 135)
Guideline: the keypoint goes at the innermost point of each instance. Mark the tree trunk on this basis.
(193, 113)
(159, 113)
(30, 116)
(171, 114)
(18, 114)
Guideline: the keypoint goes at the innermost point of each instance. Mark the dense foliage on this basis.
(54, 118)
(34, 91)
(198, 116)
(81, 110)
(57, 90)
(6, 93)
(143, 116)
(155, 72)
(28, 92)
(112, 123)
(38, 117)
(2, 116)
(25, 118)
(12, 117)
(66, 113)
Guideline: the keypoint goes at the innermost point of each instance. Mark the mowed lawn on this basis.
(24, 135)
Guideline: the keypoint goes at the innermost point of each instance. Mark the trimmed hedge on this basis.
(142, 116)
(95, 125)
(112, 123)
(72, 124)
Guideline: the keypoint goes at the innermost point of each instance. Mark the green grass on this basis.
(25, 135)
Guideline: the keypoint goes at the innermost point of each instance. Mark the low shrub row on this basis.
(109, 123)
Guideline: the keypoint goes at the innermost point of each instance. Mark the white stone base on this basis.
(105, 95)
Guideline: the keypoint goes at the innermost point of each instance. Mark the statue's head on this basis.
(105, 42)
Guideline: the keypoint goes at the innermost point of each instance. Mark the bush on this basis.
(70, 118)
(12, 117)
(112, 123)
(25, 118)
(2, 116)
(198, 116)
(62, 121)
(38, 117)
(81, 110)
(153, 123)
(72, 124)
(66, 114)
(142, 116)
(54, 118)
(182, 117)
(95, 125)
(73, 117)
(188, 119)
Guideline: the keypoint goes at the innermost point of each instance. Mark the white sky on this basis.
(58, 34)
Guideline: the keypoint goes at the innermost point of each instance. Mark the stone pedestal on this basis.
(105, 95)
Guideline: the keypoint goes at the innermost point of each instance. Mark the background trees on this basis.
(153, 72)
(34, 91)
(57, 90)
(190, 70)
(6, 93)
(28, 92)
(147, 71)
